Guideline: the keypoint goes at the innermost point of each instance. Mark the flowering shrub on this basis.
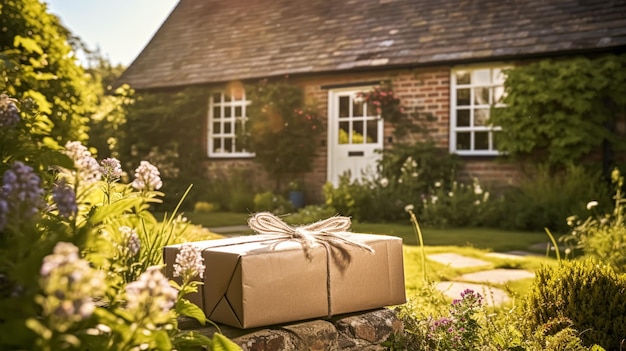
(603, 235)
(80, 254)
(283, 131)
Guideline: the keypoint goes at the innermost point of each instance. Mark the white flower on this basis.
(151, 293)
(87, 167)
(437, 184)
(130, 240)
(409, 208)
(384, 182)
(147, 177)
(478, 190)
(592, 204)
(433, 199)
(450, 194)
(189, 262)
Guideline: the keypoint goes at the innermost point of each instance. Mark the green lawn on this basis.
(472, 242)
(481, 238)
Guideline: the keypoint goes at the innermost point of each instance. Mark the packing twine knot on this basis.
(327, 232)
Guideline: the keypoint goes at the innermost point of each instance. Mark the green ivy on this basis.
(284, 129)
(560, 110)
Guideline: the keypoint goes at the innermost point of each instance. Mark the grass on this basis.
(481, 238)
(470, 242)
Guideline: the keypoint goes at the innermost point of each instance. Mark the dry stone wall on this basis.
(363, 331)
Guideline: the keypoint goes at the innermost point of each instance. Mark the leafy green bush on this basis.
(275, 203)
(559, 110)
(204, 207)
(587, 293)
(603, 236)
(407, 174)
(547, 198)
(455, 205)
(310, 214)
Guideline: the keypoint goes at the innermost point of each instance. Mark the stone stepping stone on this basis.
(491, 296)
(497, 276)
(457, 261)
(513, 255)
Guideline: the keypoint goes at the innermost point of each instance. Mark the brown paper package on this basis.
(260, 280)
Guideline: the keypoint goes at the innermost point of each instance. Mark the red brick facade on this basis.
(426, 91)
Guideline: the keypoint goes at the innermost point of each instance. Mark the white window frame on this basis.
(472, 129)
(229, 100)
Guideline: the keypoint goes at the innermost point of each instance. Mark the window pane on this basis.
(357, 109)
(462, 118)
(227, 111)
(481, 141)
(228, 145)
(217, 145)
(462, 97)
(216, 112)
(498, 94)
(227, 98)
(462, 77)
(481, 96)
(344, 106)
(482, 77)
(227, 127)
(357, 132)
(498, 76)
(481, 116)
(495, 136)
(216, 128)
(237, 111)
(372, 131)
(217, 97)
(463, 141)
(344, 129)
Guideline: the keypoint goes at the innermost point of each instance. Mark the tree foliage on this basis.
(165, 128)
(560, 110)
(38, 63)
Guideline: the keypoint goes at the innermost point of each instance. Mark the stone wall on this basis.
(363, 331)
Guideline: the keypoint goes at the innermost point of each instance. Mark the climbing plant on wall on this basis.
(559, 110)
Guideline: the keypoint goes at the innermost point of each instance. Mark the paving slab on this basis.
(513, 255)
(497, 276)
(456, 260)
(491, 296)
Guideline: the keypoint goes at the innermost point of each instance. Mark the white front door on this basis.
(355, 132)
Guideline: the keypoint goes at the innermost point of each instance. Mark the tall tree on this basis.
(38, 62)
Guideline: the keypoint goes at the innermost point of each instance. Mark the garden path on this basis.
(478, 281)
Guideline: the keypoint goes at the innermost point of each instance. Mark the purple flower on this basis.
(9, 114)
(65, 198)
(21, 190)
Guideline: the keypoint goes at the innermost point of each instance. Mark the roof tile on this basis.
(210, 41)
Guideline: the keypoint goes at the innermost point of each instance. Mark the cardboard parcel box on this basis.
(261, 280)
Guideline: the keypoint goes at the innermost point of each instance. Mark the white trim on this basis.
(232, 120)
(472, 107)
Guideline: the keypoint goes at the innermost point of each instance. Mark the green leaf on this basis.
(222, 343)
(189, 309)
(28, 44)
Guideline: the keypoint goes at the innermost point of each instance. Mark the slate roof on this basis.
(207, 41)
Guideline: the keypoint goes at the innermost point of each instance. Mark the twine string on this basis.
(327, 232)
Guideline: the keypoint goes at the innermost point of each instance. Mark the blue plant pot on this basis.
(297, 199)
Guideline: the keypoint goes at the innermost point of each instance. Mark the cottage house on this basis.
(443, 57)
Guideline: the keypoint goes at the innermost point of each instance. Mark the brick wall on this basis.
(425, 91)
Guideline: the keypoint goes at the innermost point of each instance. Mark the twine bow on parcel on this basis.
(327, 232)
